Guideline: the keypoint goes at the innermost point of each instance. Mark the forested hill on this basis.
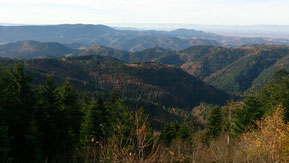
(235, 70)
(49, 122)
(32, 49)
(155, 83)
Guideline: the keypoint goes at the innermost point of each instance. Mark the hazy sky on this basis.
(113, 12)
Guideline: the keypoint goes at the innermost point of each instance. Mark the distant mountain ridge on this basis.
(128, 40)
(97, 35)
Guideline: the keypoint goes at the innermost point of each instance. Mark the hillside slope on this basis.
(156, 83)
(235, 70)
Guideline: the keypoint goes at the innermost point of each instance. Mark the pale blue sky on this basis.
(114, 12)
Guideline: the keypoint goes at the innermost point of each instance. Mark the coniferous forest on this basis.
(51, 122)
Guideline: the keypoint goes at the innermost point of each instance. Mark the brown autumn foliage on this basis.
(140, 146)
(269, 142)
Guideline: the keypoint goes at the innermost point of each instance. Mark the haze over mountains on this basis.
(270, 31)
(129, 40)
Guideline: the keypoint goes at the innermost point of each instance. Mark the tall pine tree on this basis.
(72, 115)
(214, 124)
(120, 117)
(169, 132)
(5, 145)
(17, 106)
(49, 118)
(245, 118)
(92, 128)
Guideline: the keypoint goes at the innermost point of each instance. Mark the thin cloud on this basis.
(235, 12)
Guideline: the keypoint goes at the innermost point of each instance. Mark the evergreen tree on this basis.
(104, 117)
(214, 124)
(286, 109)
(228, 111)
(281, 79)
(186, 130)
(49, 120)
(119, 119)
(72, 115)
(85, 102)
(169, 132)
(280, 75)
(17, 104)
(114, 96)
(92, 126)
(5, 145)
(275, 92)
(245, 118)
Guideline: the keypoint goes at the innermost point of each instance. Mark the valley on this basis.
(236, 70)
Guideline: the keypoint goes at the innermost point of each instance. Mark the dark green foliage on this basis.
(286, 109)
(112, 121)
(246, 117)
(169, 132)
(17, 107)
(5, 144)
(276, 92)
(175, 130)
(85, 102)
(235, 70)
(48, 123)
(44, 123)
(51, 121)
(228, 116)
(280, 75)
(70, 107)
(186, 130)
(121, 119)
(214, 124)
(266, 100)
(211, 59)
(156, 54)
(94, 123)
(153, 82)
(251, 70)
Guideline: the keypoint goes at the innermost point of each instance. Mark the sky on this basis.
(122, 12)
